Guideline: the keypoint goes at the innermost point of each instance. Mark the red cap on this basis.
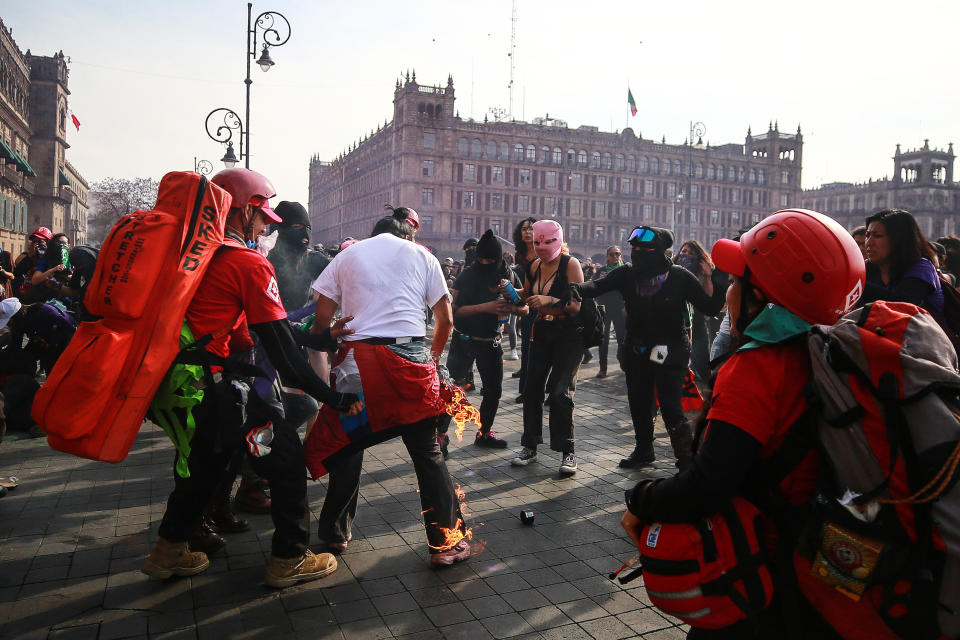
(270, 214)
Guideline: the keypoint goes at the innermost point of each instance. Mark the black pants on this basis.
(700, 346)
(525, 327)
(489, 359)
(615, 318)
(283, 467)
(555, 355)
(644, 378)
(437, 497)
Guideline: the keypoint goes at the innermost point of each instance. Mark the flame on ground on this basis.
(462, 412)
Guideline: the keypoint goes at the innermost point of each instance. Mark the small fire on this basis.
(462, 411)
(452, 537)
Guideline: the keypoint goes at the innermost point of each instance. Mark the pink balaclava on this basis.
(543, 232)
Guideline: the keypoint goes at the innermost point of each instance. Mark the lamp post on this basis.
(275, 33)
(697, 131)
(220, 125)
(203, 167)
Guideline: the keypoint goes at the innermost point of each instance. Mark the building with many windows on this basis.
(38, 187)
(922, 184)
(464, 176)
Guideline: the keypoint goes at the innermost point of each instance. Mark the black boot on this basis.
(220, 512)
(641, 456)
(206, 538)
(681, 439)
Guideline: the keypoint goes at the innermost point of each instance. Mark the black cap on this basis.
(471, 242)
(489, 247)
(292, 213)
(644, 237)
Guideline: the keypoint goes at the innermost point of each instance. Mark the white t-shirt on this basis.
(385, 283)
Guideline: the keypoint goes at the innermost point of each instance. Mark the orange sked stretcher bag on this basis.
(97, 395)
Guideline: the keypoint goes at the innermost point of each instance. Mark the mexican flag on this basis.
(633, 103)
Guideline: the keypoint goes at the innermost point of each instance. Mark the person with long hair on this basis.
(900, 263)
(556, 347)
(524, 257)
(691, 255)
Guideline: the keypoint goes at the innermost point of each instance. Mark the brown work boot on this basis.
(206, 538)
(252, 498)
(174, 558)
(283, 572)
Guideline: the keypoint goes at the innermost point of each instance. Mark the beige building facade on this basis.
(464, 176)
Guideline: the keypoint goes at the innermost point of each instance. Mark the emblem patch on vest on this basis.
(653, 535)
(273, 290)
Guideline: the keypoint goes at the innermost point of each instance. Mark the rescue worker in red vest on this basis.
(240, 290)
(793, 269)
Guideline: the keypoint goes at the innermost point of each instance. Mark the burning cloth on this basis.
(399, 385)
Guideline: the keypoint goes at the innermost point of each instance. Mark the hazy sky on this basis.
(859, 77)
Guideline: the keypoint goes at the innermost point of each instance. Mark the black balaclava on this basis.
(469, 252)
(293, 213)
(489, 248)
(647, 264)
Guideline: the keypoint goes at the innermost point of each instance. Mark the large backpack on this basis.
(888, 394)
(95, 399)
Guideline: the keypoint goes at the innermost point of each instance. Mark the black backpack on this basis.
(590, 319)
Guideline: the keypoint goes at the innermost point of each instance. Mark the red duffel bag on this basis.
(710, 573)
(97, 395)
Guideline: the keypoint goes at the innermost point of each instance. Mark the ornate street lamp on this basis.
(203, 167)
(220, 125)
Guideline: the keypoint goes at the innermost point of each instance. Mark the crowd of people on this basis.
(344, 334)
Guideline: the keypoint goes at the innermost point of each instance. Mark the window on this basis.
(571, 156)
(550, 206)
(735, 219)
(711, 172)
(582, 158)
(429, 140)
(756, 218)
(426, 223)
(495, 226)
(694, 191)
(694, 216)
(503, 153)
(648, 187)
(531, 153)
(599, 234)
(607, 161)
(496, 201)
(468, 200)
(714, 193)
(601, 209)
(719, 172)
(557, 155)
(469, 173)
(698, 170)
(552, 179)
(475, 148)
(517, 152)
(735, 196)
(428, 168)
(620, 164)
(784, 200)
(601, 183)
(626, 186)
(624, 210)
(498, 174)
(666, 167)
(576, 181)
(740, 174)
(654, 165)
(756, 197)
(644, 165)
(784, 176)
(463, 147)
(523, 203)
(545, 155)
(631, 163)
(753, 176)
(491, 149)
(574, 232)
(524, 176)
(648, 212)
(671, 189)
(714, 217)
(426, 196)
(576, 207)
(713, 240)
(595, 163)
(676, 168)
(466, 226)
(761, 177)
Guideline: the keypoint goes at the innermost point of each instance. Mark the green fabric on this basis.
(64, 180)
(774, 325)
(307, 323)
(6, 152)
(179, 390)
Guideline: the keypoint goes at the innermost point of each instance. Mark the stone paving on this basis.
(74, 534)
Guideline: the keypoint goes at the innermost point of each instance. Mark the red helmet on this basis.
(247, 187)
(801, 260)
(42, 233)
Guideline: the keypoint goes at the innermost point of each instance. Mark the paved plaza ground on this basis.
(74, 534)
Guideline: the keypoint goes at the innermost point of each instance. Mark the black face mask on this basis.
(490, 274)
(647, 264)
(294, 238)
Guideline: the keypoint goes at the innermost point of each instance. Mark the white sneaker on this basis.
(568, 466)
(525, 457)
(512, 355)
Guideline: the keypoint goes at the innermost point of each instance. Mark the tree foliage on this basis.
(113, 198)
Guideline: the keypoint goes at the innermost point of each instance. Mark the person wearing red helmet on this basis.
(239, 291)
(794, 269)
(26, 262)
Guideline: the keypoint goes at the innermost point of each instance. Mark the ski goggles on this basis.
(642, 236)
